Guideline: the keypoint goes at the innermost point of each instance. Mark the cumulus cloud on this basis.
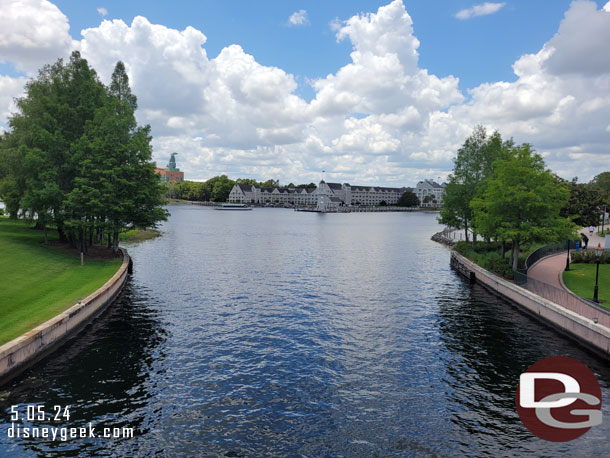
(103, 11)
(380, 119)
(298, 18)
(32, 33)
(479, 10)
(10, 88)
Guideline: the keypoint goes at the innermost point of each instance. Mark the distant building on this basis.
(430, 193)
(170, 172)
(249, 194)
(335, 194)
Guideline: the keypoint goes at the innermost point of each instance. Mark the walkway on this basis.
(544, 279)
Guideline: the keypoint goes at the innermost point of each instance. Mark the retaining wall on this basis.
(20, 353)
(585, 330)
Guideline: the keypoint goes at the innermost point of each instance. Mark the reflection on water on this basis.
(279, 333)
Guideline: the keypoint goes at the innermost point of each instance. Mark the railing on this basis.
(545, 251)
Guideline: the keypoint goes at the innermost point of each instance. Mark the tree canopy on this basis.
(474, 163)
(585, 204)
(408, 199)
(522, 201)
(74, 157)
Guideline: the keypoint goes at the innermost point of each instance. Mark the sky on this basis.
(371, 92)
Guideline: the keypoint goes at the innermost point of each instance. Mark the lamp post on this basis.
(598, 254)
(568, 258)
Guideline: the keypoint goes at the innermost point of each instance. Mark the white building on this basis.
(337, 193)
(430, 193)
(249, 194)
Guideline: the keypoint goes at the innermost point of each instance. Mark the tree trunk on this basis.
(474, 241)
(109, 241)
(502, 249)
(62, 234)
(91, 235)
(46, 237)
(466, 230)
(115, 245)
(516, 255)
(512, 252)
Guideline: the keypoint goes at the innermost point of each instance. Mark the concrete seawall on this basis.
(24, 351)
(584, 330)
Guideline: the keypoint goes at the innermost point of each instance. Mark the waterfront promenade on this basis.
(545, 279)
(550, 269)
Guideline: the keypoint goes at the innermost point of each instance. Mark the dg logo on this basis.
(559, 399)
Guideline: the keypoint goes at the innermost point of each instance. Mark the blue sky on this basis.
(268, 98)
(477, 50)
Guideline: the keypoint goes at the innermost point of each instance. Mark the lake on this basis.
(278, 333)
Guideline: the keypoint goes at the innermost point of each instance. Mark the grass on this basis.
(138, 235)
(38, 281)
(581, 281)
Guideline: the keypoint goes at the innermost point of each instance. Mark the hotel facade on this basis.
(337, 194)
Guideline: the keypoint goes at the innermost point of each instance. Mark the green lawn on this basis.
(39, 281)
(138, 235)
(581, 280)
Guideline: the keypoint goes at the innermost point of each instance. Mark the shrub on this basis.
(589, 257)
(487, 256)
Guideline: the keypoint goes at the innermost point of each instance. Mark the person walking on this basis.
(591, 230)
(585, 240)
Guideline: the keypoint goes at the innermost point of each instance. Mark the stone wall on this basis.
(20, 353)
(586, 331)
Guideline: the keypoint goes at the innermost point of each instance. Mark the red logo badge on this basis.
(559, 399)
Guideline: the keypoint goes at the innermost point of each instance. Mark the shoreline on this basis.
(26, 350)
(584, 331)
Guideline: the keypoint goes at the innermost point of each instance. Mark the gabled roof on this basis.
(245, 187)
(334, 186)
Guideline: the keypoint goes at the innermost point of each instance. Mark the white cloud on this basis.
(298, 18)
(103, 11)
(380, 119)
(479, 10)
(32, 33)
(10, 88)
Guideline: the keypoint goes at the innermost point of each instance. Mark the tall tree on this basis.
(585, 204)
(602, 182)
(473, 165)
(522, 202)
(50, 120)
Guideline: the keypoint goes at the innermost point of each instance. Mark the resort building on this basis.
(249, 194)
(336, 193)
(430, 193)
(170, 172)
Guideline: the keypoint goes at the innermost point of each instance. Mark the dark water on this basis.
(278, 333)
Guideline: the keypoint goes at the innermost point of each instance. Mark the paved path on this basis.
(546, 275)
(594, 239)
(549, 269)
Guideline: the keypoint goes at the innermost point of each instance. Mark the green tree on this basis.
(522, 202)
(50, 120)
(585, 204)
(220, 188)
(473, 165)
(408, 199)
(271, 183)
(602, 182)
